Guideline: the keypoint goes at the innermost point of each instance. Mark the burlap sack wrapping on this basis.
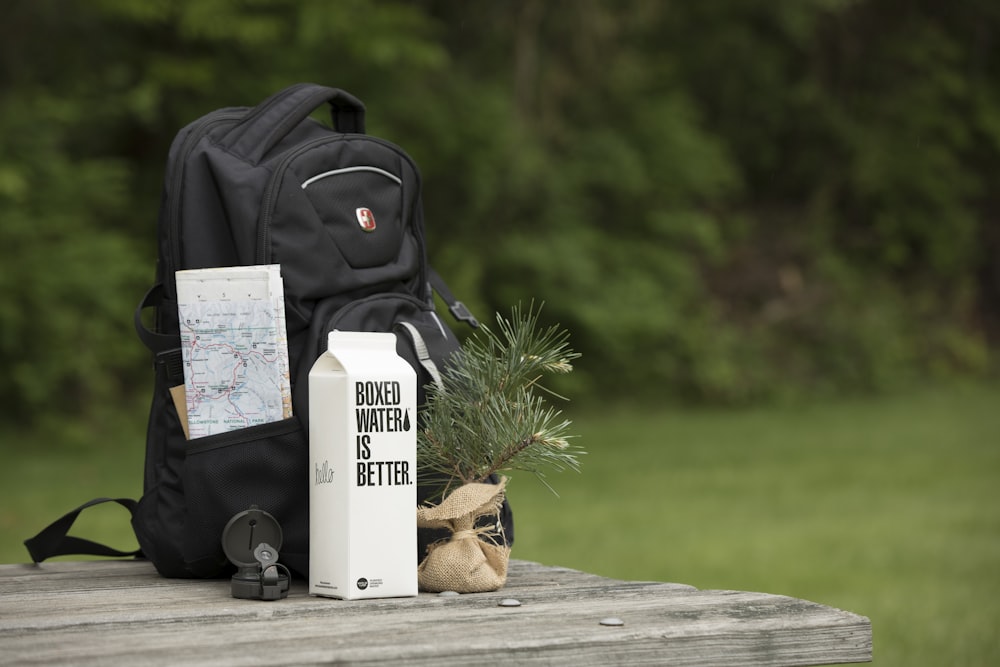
(464, 563)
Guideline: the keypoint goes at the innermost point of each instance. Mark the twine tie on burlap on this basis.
(465, 563)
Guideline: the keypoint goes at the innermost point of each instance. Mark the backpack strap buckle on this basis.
(462, 314)
(455, 307)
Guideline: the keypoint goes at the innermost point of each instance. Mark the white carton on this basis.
(363, 469)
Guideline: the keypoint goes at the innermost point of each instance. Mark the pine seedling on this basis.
(491, 413)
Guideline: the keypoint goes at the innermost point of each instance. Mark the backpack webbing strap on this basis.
(423, 354)
(54, 541)
(154, 341)
(455, 307)
(269, 122)
(165, 347)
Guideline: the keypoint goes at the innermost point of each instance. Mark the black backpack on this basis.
(270, 185)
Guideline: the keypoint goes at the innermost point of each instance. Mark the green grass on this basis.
(889, 507)
(45, 476)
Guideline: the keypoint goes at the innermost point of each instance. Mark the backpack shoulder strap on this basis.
(54, 540)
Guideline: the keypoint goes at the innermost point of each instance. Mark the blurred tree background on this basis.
(724, 202)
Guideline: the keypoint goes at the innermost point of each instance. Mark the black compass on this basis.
(251, 541)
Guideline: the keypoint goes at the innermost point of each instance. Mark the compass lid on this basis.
(246, 531)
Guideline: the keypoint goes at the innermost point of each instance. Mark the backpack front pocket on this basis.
(362, 210)
(342, 217)
(228, 473)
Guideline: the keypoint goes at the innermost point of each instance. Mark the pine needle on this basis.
(491, 412)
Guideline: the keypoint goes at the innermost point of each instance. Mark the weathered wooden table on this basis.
(123, 613)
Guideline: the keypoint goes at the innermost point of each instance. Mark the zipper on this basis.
(350, 170)
(267, 203)
(195, 135)
(264, 223)
(350, 306)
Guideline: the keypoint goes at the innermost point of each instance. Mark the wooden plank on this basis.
(122, 612)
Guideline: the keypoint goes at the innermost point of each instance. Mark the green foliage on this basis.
(70, 277)
(829, 213)
(723, 202)
(490, 413)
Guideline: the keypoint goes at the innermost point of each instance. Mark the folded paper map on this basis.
(235, 348)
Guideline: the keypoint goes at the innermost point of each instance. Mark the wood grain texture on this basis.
(122, 612)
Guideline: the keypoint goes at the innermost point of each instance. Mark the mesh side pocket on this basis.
(226, 474)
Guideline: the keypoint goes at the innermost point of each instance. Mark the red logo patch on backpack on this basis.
(366, 219)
